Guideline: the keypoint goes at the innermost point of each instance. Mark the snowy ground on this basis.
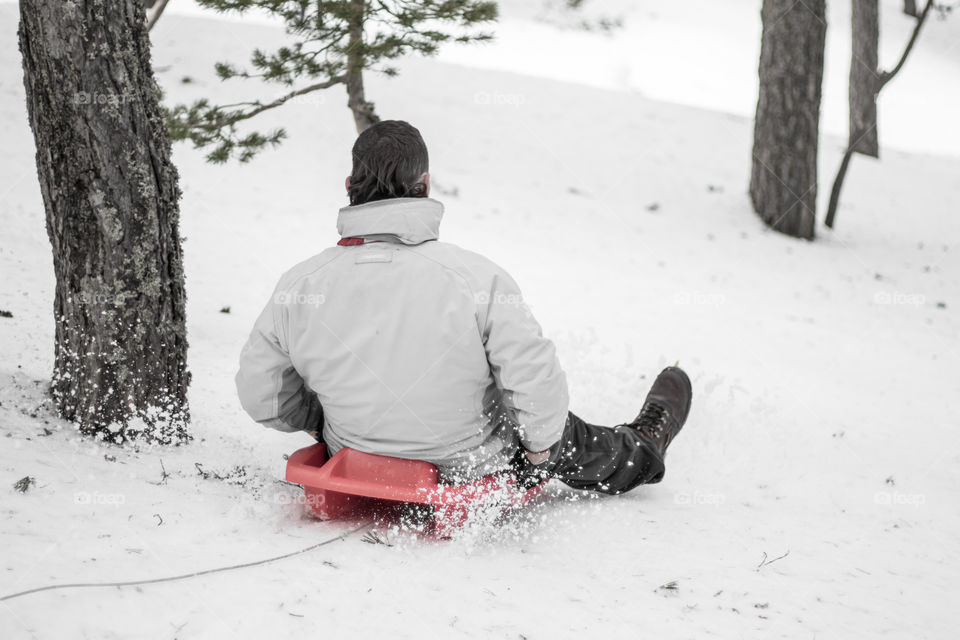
(826, 393)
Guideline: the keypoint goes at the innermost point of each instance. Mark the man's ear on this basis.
(347, 184)
(425, 179)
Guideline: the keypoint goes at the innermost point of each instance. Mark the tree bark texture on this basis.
(864, 78)
(111, 197)
(783, 181)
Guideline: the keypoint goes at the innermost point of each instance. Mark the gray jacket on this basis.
(413, 348)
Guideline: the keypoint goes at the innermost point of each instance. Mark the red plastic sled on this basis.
(352, 481)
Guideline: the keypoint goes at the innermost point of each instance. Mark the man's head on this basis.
(389, 161)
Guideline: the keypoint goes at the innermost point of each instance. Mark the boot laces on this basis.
(653, 418)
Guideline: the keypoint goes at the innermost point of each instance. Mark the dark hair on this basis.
(389, 158)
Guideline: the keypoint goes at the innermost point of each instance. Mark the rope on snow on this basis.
(195, 574)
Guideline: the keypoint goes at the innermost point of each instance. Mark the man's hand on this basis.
(531, 467)
(537, 458)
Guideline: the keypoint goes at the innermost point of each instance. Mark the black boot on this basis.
(666, 408)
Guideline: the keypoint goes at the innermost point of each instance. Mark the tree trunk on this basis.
(363, 112)
(111, 198)
(865, 23)
(864, 78)
(783, 181)
(910, 8)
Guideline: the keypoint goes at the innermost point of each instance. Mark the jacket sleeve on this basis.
(524, 364)
(270, 389)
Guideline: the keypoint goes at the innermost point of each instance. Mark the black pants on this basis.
(608, 460)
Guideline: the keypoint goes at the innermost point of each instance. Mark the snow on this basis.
(825, 385)
(704, 53)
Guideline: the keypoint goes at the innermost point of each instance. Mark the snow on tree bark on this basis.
(783, 181)
(111, 197)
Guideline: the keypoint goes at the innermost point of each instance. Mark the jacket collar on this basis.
(409, 220)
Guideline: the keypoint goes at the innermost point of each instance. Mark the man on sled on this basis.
(397, 344)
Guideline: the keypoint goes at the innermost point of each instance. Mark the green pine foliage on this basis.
(331, 41)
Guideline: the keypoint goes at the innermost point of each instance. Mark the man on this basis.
(397, 344)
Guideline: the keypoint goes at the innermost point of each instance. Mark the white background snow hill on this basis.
(825, 378)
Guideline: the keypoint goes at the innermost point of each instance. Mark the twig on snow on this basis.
(765, 562)
(372, 537)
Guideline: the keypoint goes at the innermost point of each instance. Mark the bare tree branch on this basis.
(887, 76)
(156, 14)
(883, 78)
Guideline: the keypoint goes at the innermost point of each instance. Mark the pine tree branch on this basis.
(335, 41)
(388, 10)
(237, 117)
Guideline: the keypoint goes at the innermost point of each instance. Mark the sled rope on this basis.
(195, 574)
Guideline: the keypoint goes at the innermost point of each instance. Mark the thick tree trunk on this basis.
(111, 198)
(783, 181)
(864, 78)
(363, 111)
